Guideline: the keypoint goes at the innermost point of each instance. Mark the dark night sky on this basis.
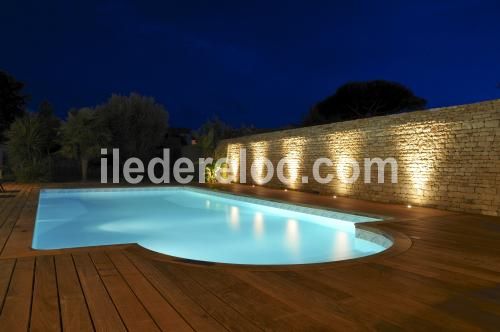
(262, 63)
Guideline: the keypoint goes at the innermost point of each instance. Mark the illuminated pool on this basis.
(201, 225)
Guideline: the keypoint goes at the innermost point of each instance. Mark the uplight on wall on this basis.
(292, 150)
(233, 157)
(259, 152)
(344, 147)
(420, 153)
(347, 169)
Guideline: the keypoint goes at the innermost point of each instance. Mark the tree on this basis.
(27, 149)
(50, 125)
(215, 130)
(364, 99)
(12, 102)
(210, 133)
(82, 137)
(137, 124)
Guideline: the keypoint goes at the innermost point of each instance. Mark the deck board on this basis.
(134, 315)
(197, 317)
(448, 279)
(45, 313)
(15, 315)
(165, 316)
(102, 309)
(212, 304)
(6, 268)
(74, 311)
(262, 308)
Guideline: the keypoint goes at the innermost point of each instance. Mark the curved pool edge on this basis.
(400, 244)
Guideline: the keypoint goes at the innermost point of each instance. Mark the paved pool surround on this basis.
(448, 158)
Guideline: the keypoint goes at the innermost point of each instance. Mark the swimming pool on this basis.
(202, 225)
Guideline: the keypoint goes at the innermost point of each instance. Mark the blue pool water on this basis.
(200, 225)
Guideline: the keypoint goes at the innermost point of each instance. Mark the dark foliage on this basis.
(50, 125)
(358, 100)
(215, 130)
(82, 137)
(137, 124)
(12, 102)
(27, 150)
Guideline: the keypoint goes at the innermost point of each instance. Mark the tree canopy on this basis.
(137, 124)
(27, 149)
(12, 101)
(214, 130)
(82, 137)
(357, 100)
(50, 124)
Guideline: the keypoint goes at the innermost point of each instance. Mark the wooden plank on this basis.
(12, 217)
(45, 307)
(10, 203)
(6, 268)
(262, 308)
(165, 316)
(218, 309)
(197, 317)
(133, 314)
(74, 312)
(104, 315)
(295, 293)
(21, 236)
(15, 315)
(7, 202)
(370, 294)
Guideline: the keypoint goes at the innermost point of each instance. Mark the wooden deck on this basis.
(449, 279)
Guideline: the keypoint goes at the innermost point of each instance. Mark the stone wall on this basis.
(448, 158)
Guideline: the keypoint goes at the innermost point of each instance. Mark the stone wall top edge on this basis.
(452, 113)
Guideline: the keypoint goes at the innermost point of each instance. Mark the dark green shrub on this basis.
(27, 150)
(82, 137)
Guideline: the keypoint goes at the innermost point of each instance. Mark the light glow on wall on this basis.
(292, 149)
(259, 151)
(420, 155)
(233, 159)
(344, 146)
(347, 171)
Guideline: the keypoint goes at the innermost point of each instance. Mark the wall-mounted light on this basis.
(334, 196)
(408, 206)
